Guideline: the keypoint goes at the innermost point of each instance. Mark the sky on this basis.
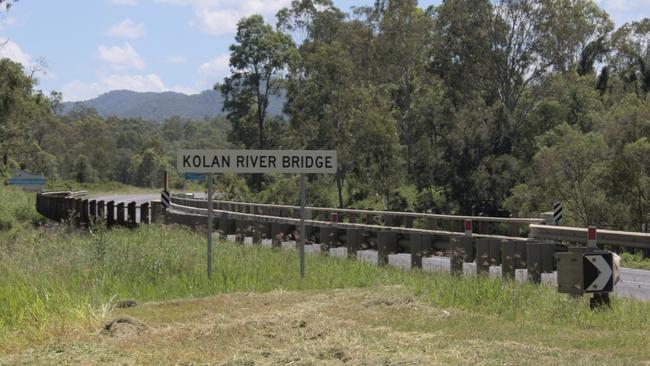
(89, 47)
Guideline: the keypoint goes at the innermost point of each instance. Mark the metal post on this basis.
(302, 225)
(209, 177)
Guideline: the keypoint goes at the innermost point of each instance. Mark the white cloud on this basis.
(9, 49)
(216, 68)
(623, 11)
(220, 17)
(177, 60)
(120, 58)
(125, 2)
(6, 21)
(127, 29)
(77, 90)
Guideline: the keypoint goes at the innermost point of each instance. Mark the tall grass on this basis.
(62, 275)
(55, 276)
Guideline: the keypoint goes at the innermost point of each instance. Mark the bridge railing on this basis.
(73, 205)
(455, 223)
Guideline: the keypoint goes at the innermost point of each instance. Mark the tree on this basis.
(84, 172)
(15, 93)
(256, 60)
(631, 58)
(571, 167)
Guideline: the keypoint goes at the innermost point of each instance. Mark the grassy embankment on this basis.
(60, 284)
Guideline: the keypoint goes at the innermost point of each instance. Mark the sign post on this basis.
(302, 225)
(258, 161)
(210, 193)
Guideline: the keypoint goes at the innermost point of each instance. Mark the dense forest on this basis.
(474, 107)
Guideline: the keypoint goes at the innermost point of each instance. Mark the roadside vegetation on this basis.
(475, 107)
(62, 283)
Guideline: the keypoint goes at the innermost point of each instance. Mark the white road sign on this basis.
(598, 273)
(257, 161)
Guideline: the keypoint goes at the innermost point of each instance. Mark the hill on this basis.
(160, 106)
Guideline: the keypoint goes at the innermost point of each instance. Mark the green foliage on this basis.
(471, 107)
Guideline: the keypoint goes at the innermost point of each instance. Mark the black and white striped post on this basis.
(557, 213)
(165, 199)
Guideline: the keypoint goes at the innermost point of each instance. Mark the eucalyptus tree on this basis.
(258, 60)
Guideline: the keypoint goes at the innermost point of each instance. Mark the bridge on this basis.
(517, 248)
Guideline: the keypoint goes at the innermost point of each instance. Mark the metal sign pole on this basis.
(302, 225)
(209, 177)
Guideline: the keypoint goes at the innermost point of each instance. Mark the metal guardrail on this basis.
(422, 215)
(574, 234)
(327, 224)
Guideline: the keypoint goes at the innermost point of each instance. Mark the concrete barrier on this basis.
(400, 260)
(339, 252)
(368, 256)
(436, 264)
(314, 249)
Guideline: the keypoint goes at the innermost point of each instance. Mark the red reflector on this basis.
(591, 233)
(335, 217)
(468, 225)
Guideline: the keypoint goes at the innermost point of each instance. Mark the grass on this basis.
(60, 278)
(59, 284)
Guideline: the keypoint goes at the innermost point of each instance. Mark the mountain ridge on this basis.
(159, 106)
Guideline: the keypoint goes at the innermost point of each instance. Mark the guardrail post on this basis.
(540, 260)
(353, 241)
(156, 212)
(495, 252)
(408, 221)
(84, 212)
(120, 214)
(386, 244)
(483, 256)
(328, 236)
(370, 219)
(508, 259)
(144, 213)
(101, 209)
(388, 220)
(131, 214)
(457, 252)
(278, 232)
(110, 213)
(92, 206)
(421, 245)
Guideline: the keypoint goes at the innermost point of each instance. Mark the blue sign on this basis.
(194, 176)
(27, 181)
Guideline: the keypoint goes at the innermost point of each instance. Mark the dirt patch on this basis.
(123, 304)
(123, 326)
(376, 326)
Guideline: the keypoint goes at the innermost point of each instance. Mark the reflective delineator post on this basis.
(468, 227)
(591, 237)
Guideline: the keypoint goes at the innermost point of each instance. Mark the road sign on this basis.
(257, 161)
(194, 176)
(165, 199)
(598, 272)
(27, 181)
(557, 212)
